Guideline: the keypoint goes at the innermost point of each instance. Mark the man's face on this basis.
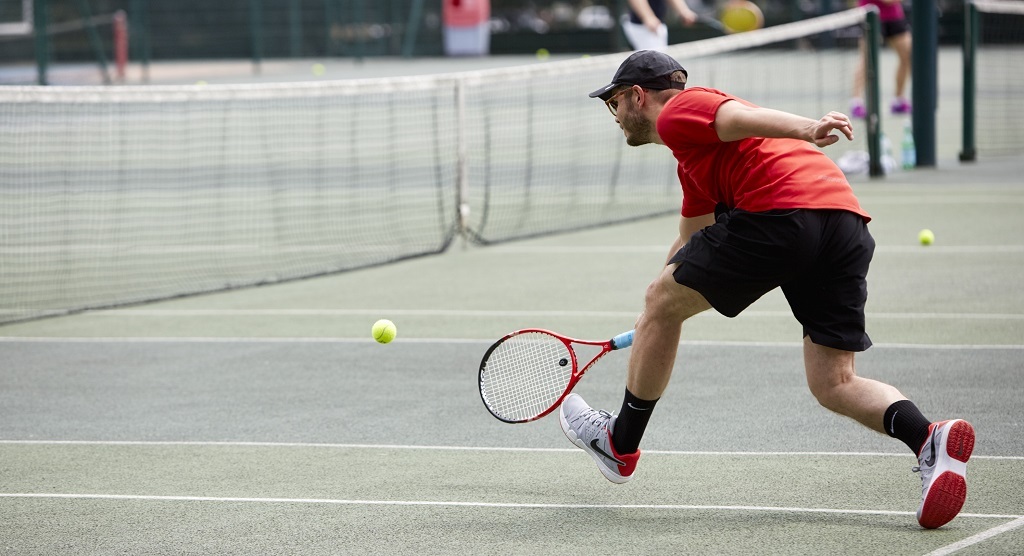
(637, 129)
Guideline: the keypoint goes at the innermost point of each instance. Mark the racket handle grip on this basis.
(623, 340)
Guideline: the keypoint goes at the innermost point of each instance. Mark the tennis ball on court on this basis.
(543, 54)
(318, 69)
(926, 237)
(200, 83)
(384, 331)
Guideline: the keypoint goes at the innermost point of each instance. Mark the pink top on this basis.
(888, 10)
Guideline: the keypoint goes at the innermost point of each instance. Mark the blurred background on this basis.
(233, 29)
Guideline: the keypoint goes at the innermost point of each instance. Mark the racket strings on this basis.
(525, 375)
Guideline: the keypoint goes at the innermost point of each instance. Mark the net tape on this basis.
(1013, 7)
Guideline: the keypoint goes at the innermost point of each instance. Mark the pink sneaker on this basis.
(857, 109)
(900, 106)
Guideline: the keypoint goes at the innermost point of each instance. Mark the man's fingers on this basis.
(826, 140)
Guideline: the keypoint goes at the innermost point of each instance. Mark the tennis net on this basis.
(998, 44)
(112, 196)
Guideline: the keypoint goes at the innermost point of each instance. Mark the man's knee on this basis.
(829, 371)
(667, 298)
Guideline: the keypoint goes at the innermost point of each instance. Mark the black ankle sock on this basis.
(631, 423)
(904, 421)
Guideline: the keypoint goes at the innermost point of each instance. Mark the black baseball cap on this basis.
(648, 68)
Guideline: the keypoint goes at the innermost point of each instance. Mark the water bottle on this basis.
(909, 154)
(888, 162)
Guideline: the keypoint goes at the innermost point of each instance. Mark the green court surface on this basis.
(265, 420)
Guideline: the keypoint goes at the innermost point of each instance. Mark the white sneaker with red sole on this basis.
(591, 430)
(943, 467)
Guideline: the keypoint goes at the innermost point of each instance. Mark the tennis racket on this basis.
(526, 374)
(712, 23)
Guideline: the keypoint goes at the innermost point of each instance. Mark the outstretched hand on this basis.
(821, 132)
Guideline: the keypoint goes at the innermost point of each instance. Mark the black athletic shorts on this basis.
(819, 258)
(895, 27)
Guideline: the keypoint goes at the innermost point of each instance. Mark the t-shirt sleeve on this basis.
(689, 118)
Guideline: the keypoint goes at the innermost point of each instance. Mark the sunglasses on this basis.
(613, 103)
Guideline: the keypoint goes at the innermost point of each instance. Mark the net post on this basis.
(140, 43)
(94, 38)
(412, 28)
(295, 27)
(462, 164)
(924, 79)
(968, 152)
(256, 33)
(619, 40)
(872, 43)
(359, 20)
(42, 40)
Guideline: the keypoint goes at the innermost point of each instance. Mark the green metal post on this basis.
(872, 88)
(256, 32)
(329, 19)
(412, 28)
(42, 40)
(970, 49)
(295, 27)
(924, 73)
(85, 11)
(394, 19)
(358, 20)
(139, 33)
(619, 40)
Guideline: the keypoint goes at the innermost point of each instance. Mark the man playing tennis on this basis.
(762, 208)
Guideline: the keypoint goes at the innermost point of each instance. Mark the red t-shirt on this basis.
(754, 174)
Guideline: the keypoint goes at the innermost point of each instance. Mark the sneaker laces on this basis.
(591, 420)
(926, 475)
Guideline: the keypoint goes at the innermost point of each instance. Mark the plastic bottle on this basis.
(888, 162)
(909, 152)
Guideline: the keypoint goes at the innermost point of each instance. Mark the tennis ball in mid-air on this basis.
(543, 54)
(926, 237)
(318, 69)
(384, 331)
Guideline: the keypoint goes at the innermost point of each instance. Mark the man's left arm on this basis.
(735, 121)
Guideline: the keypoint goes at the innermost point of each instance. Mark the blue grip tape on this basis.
(623, 340)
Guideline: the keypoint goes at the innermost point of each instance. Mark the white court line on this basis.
(663, 249)
(243, 444)
(980, 537)
(482, 313)
(453, 503)
(315, 340)
(492, 250)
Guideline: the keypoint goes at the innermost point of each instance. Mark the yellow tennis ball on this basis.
(384, 331)
(926, 237)
(318, 69)
(543, 54)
